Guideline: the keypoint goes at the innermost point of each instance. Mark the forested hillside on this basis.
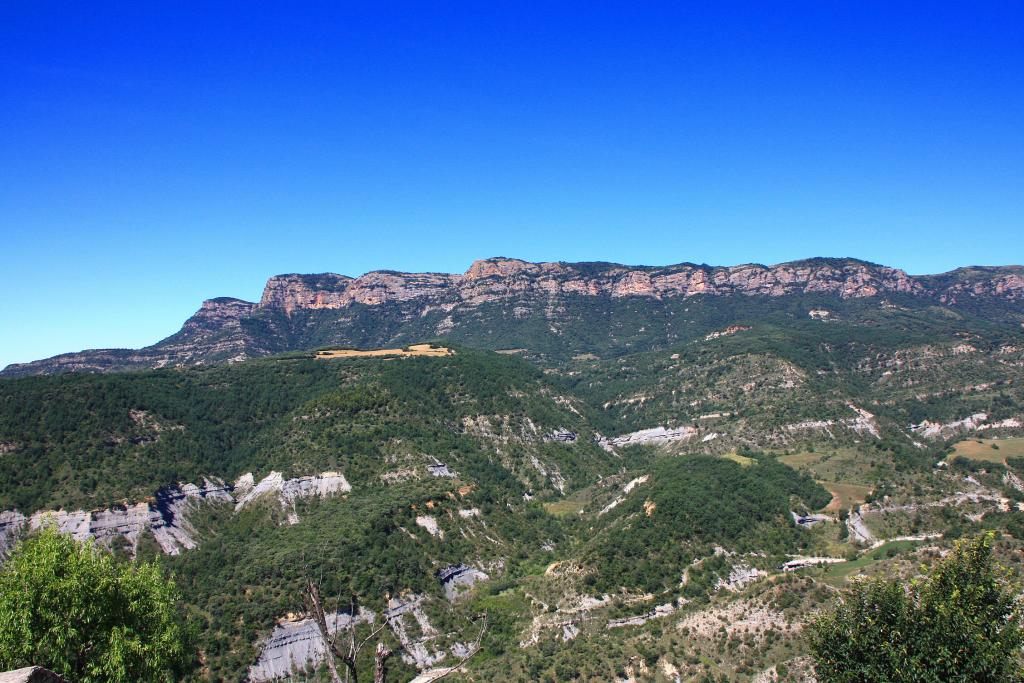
(659, 489)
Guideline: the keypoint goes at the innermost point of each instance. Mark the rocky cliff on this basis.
(304, 311)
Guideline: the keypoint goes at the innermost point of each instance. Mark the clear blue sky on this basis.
(153, 157)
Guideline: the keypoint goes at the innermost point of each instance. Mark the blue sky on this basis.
(151, 157)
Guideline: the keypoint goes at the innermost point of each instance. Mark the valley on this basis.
(672, 472)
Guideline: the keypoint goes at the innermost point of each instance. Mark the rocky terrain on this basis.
(662, 476)
(298, 312)
(166, 516)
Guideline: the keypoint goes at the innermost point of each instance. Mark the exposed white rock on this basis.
(459, 578)
(551, 472)
(636, 482)
(641, 619)
(468, 513)
(739, 576)
(1008, 423)
(289, 490)
(439, 469)
(414, 647)
(732, 329)
(295, 645)
(166, 516)
(916, 537)
(429, 522)
(572, 613)
(858, 530)
(12, 523)
(654, 435)
(938, 430)
(244, 484)
(563, 436)
(737, 617)
(610, 506)
(166, 519)
(809, 520)
(863, 423)
(803, 562)
(632, 484)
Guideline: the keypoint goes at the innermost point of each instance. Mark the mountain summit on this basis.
(557, 308)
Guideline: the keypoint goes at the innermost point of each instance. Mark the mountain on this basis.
(649, 474)
(551, 310)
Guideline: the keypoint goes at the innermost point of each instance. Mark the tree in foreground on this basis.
(961, 622)
(78, 611)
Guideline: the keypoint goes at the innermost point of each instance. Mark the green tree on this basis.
(961, 622)
(89, 617)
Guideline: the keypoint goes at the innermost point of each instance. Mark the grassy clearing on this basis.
(413, 350)
(845, 464)
(743, 460)
(565, 508)
(845, 495)
(836, 574)
(982, 449)
(798, 460)
(571, 506)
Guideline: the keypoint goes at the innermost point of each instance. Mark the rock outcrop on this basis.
(166, 515)
(292, 306)
(656, 436)
(295, 645)
(459, 578)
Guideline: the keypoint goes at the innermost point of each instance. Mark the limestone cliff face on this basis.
(502, 278)
(216, 314)
(303, 311)
(290, 292)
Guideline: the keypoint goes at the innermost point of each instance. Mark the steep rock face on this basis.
(304, 311)
(295, 645)
(166, 515)
(290, 292)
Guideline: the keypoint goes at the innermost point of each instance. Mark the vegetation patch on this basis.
(836, 574)
(845, 495)
(989, 450)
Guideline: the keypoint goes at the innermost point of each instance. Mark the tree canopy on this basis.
(77, 610)
(961, 622)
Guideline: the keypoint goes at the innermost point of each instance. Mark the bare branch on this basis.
(317, 610)
(473, 650)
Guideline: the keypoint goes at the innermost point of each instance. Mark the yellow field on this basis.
(972, 450)
(743, 460)
(845, 496)
(413, 350)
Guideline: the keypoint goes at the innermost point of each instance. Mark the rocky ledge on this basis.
(226, 329)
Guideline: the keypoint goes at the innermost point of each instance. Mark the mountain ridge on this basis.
(301, 311)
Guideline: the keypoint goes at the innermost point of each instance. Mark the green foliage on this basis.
(691, 504)
(92, 440)
(960, 623)
(78, 611)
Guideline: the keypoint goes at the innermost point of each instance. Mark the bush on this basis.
(960, 623)
(76, 610)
